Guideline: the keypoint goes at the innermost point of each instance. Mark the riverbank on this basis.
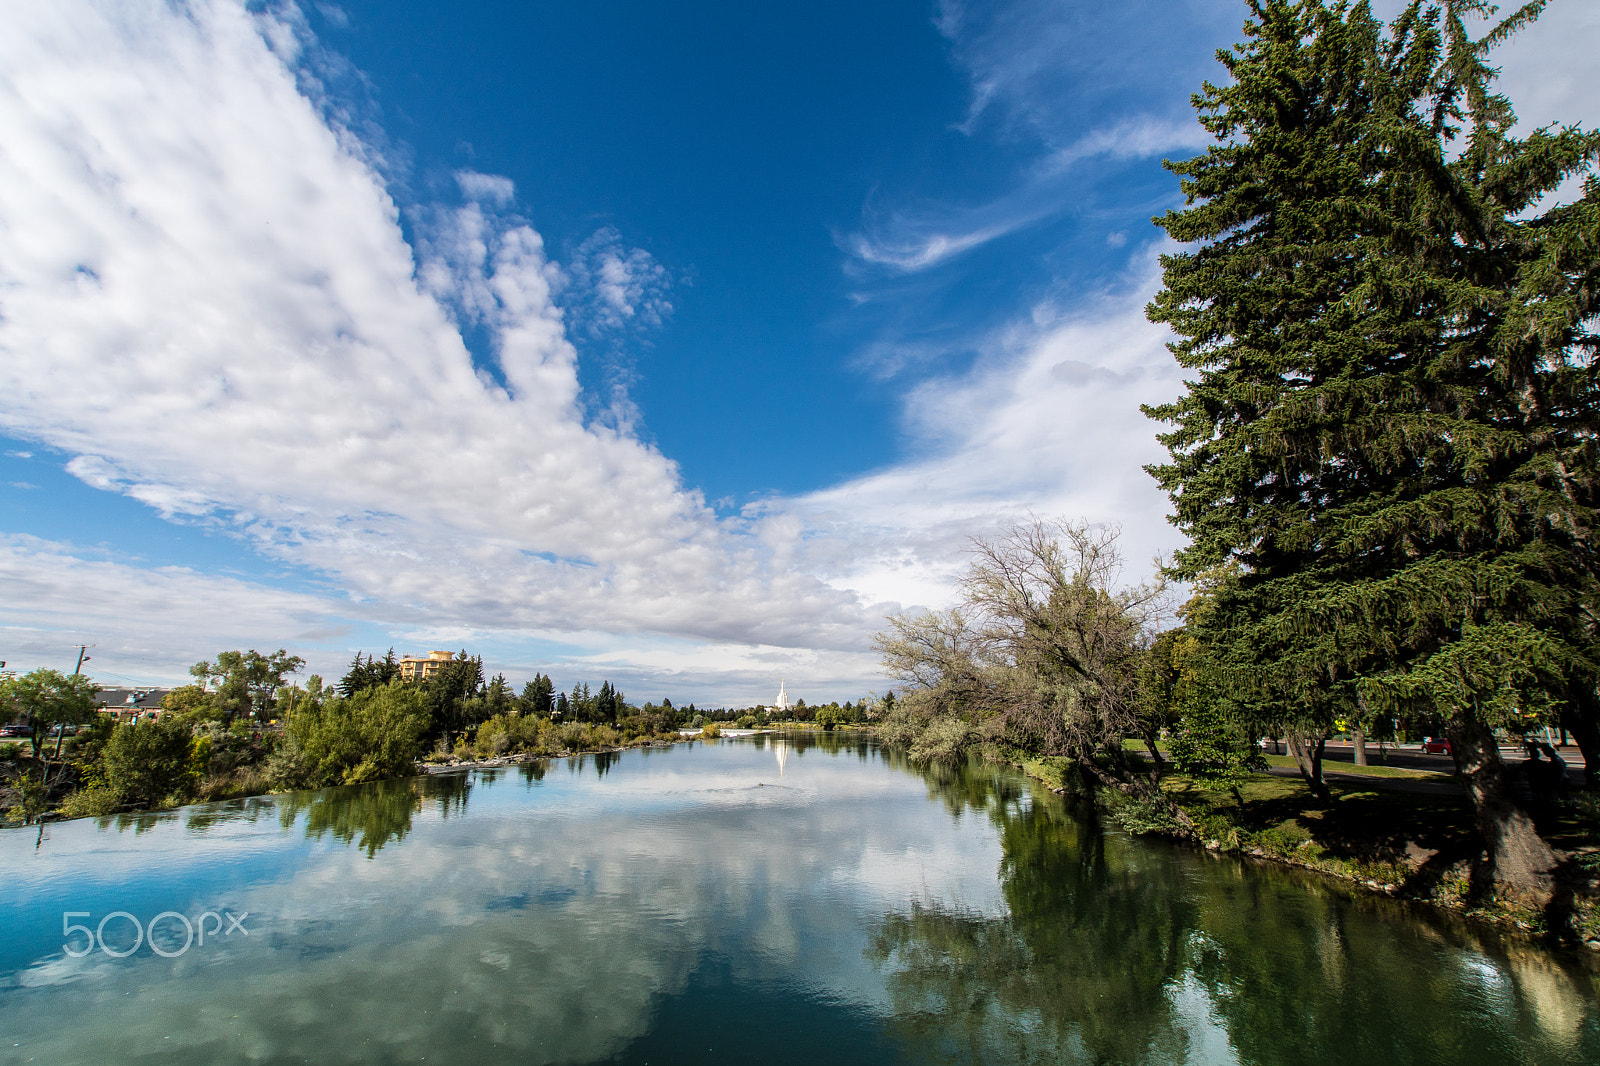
(1407, 835)
(449, 764)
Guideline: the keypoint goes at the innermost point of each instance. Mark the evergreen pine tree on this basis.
(1386, 452)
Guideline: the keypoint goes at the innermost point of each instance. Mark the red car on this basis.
(1436, 746)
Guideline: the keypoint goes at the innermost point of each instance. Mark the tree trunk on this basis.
(1519, 856)
(1307, 752)
(1581, 718)
(1358, 742)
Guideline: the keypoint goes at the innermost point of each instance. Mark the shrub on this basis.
(374, 734)
(1146, 815)
(33, 798)
(149, 762)
(945, 740)
(92, 802)
(571, 735)
(711, 731)
(1213, 751)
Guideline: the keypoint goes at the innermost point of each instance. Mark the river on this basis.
(814, 900)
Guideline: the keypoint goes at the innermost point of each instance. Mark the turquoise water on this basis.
(715, 903)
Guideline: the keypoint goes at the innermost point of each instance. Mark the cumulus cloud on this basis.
(208, 302)
(617, 287)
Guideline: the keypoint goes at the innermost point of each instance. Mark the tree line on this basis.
(211, 740)
(1384, 459)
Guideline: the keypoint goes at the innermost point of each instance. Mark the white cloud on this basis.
(1046, 422)
(251, 344)
(910, 240)
(1036, 67)
(151, 622)
(208, 302)
(618, 287)
(488, 188)
(905, 244)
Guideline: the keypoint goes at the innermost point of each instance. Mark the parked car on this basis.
(1436, 745)
(14, 731)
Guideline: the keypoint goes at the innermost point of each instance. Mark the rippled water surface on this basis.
(738, 901)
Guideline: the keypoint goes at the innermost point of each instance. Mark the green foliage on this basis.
(193, 701)
(48, 698)
(374, 734)
(943, 740)
(1043, 654)
(33, 797)
(453, 696)
(92, 801)
(1385, 429)
(538, 697)
(149, 763)
(1385, 459)
(1145, 815)
(369, 673)
(1207, 747)
(245, 682)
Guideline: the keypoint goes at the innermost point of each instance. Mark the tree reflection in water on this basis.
(374, 814)
(1122, 951)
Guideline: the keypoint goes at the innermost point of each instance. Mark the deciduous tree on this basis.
(48, 699)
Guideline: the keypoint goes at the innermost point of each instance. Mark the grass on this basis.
(1363, 834)
(1284, 761)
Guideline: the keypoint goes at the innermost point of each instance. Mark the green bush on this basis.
(1209, 748)
(91, 802)
(149, 763)
(944, 740)
(1145, 815)
(374, 734)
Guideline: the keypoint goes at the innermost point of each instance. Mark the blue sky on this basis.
(675, 344)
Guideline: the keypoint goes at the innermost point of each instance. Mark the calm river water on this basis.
(814, 901)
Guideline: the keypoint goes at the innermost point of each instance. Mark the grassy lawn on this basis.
(1329, 767)
(1138, 747)
(1364, 833)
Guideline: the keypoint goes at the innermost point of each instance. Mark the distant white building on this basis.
(783, 698)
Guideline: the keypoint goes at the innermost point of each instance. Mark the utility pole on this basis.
(61, 728)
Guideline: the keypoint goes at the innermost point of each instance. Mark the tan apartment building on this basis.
(416, 668)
